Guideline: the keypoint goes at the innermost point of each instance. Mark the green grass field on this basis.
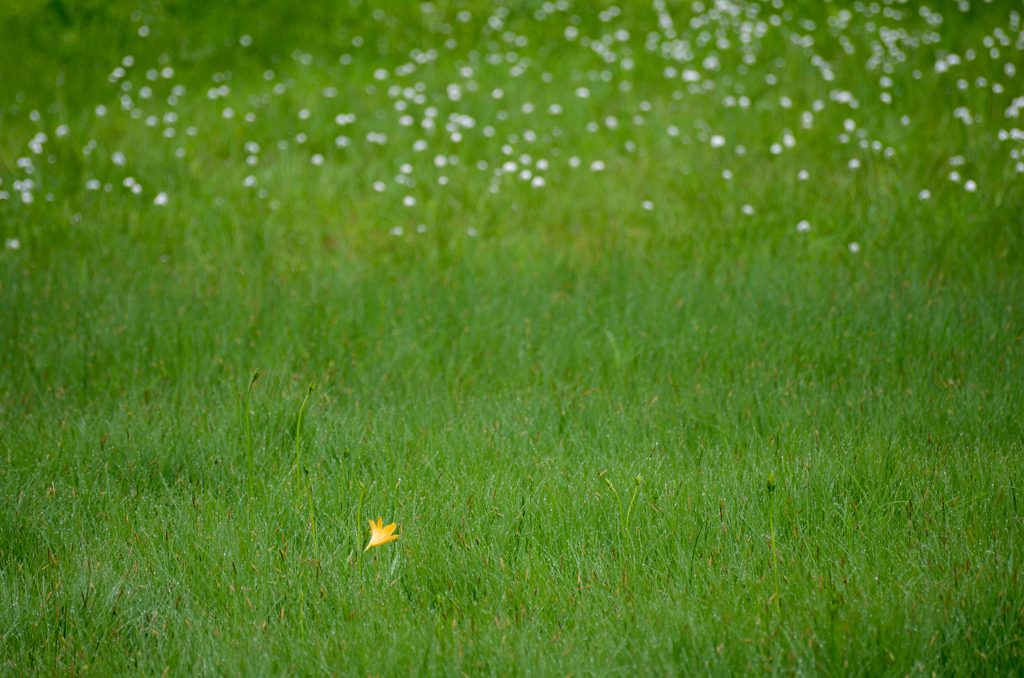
(694, 350)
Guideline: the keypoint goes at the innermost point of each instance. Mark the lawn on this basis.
(675, 338)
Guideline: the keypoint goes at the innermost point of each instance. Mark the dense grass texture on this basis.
(677, 408)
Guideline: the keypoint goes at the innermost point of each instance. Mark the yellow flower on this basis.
(379, 534)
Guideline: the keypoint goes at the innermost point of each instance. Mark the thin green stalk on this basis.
(636, 491)
(248, 436)
(775, 557)
(771, 522)
(298, 468)
(359, 521)
(248, 458)
(622, 528)
(312, 521)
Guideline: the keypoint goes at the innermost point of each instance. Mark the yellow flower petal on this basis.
(380, 534)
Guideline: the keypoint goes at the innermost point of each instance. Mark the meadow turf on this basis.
(571, 403)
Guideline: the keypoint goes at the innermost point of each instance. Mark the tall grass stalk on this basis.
(248, 436)
(312, 521)
(636, 491)
(771, 523)
(298, 458)
(359, 522)
(622, 520)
